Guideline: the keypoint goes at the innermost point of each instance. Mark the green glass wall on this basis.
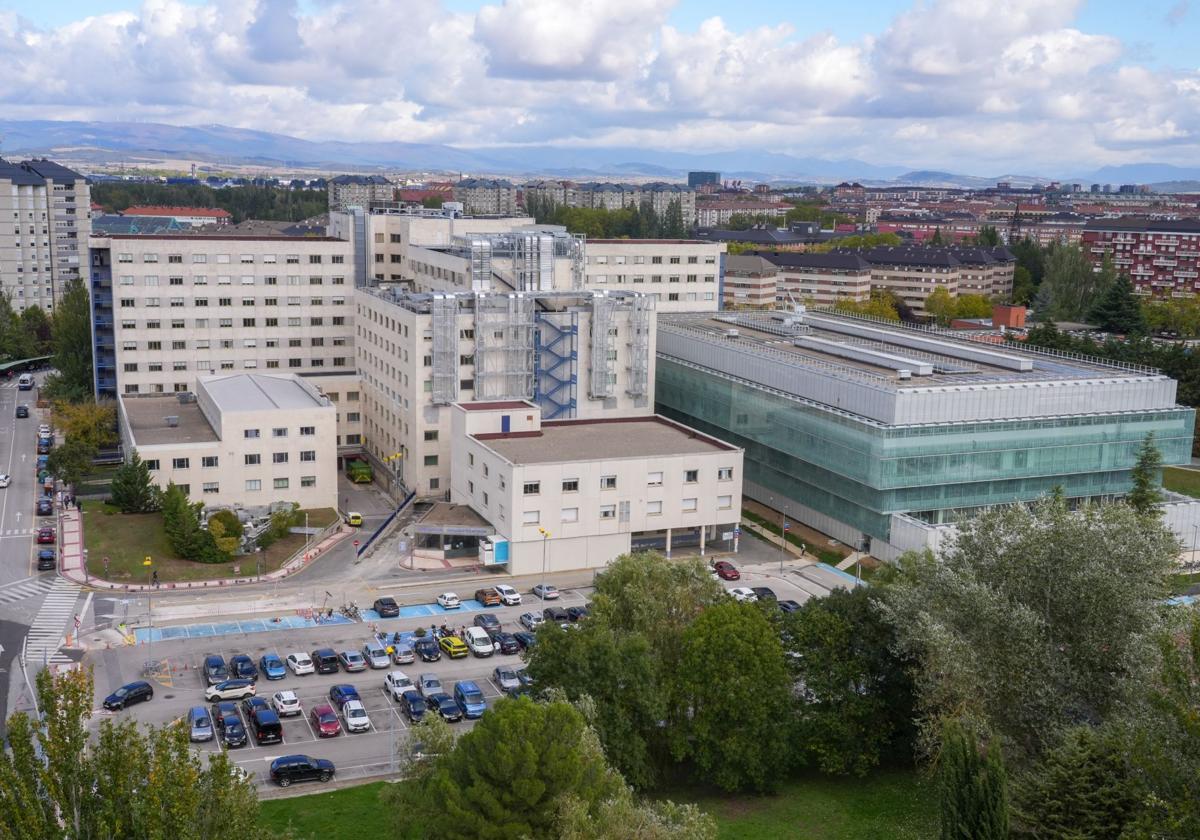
(860, 472)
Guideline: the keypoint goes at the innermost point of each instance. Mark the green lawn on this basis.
(893, 804)
(825, 555)
(127, 538)
(1180, 480)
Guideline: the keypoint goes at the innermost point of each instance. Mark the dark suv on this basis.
(300, 768)
(325, 661)
(266, 726)
(387, 607)
(215, 669)
(22, 411)
(127, 695)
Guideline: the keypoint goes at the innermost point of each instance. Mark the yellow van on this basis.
(354, 519)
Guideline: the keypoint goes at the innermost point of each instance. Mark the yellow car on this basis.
(454, 647)
(354, 519)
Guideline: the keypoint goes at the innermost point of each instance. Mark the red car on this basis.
(325, 721)
(45, 535)
(726, 570)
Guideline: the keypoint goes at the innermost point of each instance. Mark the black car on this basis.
(233, 734)
(387, 607)
(413, 706)
(555, 615)
(22, 411)
(127, 695)
(789, 605)
(242, 667)
(266, 726)
(428, 649)
(764, 593)
(215, 670)
(577, 613)
(488, 622)
(47, 560)
(525, 640)
(506, 642)
(223, 709)
(252, 704)
(43, 447)
(325, 661)
(446, 707)
(45, 507)
(300, 768)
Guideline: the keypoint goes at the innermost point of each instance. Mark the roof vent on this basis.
(172, 421)
(186, 397)
(731, 333)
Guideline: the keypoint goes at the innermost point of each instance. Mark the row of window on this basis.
(230, 364)
(620, 259)
(253, 459)
(228, 343)
(227, 280)
(609, 482)
(179, 303)
(653, 508)
(202, 323)
(281, 431)
(252, 484)
(244, 259)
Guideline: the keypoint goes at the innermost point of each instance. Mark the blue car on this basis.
(470, 699)
(272, 667)
(342, 693)
(241, 667)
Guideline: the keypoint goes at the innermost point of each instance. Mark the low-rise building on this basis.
(750, 282)
(576, 494)
(821, 279)
(189, 216)
(719, 212)
(683, 275)
(244, 439)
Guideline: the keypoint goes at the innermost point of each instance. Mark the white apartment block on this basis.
(577, 355)
(683, 275)
(244, 439)
(576, 494)
(718, 213)
(45, 219)
(610, 196)
(359, 191)
(486, 196)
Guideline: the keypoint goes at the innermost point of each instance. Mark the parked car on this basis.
(448, 601)
(446, 707)
(354, 519)
(45, 507)
(523, 676)
(397, 684)
(352, 661)
(127, 695)
(508, 596)
(556, 615)
(300, 663)
(428, 649)
(453, 646)
(325, 661)
(222, 709)
(413, 706)
(215, 669)
(22, 410)
(267, 727)
(429, 685)
(200, 725)
(375, 655)
(546, 591)
(272, 666)
(286, 703)
(488, 597)
(5, 480)
(242, 667)
(43, 447)
(578, 613)
(506, 643)
(403, 653)
(726, 570)
(47, 560)
(325, 721)
(743, 593)
(230, 690)
(525, 640)
(341, 693)
(531, 620)
(252, 704)
(505, 677)
(233, 733)
(356, 716)
(44, 429)
(45, 536)
(763, 593)
(487, 621)
(470, 699)
(300, 768)
(789, 605)
(386, 607)
(479, 643)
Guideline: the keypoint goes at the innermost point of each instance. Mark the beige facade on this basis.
(583, 491)
(245, 439)
(718, 213)
(486, 196)
(683, 275)
(750, 282)
(391, 234)
(359, 191)
(610, 196)
(821, 279)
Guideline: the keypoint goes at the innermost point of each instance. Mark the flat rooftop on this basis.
(146, 416)
(259, 392)
(595, 440)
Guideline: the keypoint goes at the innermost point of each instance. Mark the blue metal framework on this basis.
(555, 363)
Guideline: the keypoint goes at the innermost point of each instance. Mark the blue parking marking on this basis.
(229, 628)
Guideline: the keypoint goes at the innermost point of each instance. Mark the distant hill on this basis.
(1176, 187)
(1141, 173)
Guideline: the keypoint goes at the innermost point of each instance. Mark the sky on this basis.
(988, 87)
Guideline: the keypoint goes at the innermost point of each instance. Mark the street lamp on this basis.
(545, 538)
(147, 562)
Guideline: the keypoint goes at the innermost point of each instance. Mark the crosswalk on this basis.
(26, 589)
(54, 620)
(16, 532)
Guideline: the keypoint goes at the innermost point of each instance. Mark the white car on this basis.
(546, 591)
(449, 601)
(44, 429)
(508, 596)
(397, 684)
(375, 655)
(356, 717)
(300, 663)
(743, 593)
(429, 685)
(230, 690)
(479, 642)
(5, 480)
(286, 703)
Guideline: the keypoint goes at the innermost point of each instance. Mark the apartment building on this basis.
(820, 279)
(243, 439)
(576, 354)
(575, 494)
(359, 191)
(750, 282)
(718, 212)
(42, 249)
(486, 196)
(683, 275)
(659, 195)
(1161, 257)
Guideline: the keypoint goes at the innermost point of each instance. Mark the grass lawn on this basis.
(1182, 480)
(127, 538)
(1185, 583)
(825, 555)
(893, 804)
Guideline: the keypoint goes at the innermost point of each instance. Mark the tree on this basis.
(857, 702)
(972, 787)
(1034, 619)
(15, 341)
(71, 460)
(1023, 288)
(1145, 494)
(673, 223)
(1118, 310)
(622, 817)
(132, 489)
(1071, 284)
(226, 530)
(988, 237)
(71, 335)
(972, 306)
(731, 658)
(92, 422)
(36, 325)
(937, 238)
(1031, 257)
(878, 305)
(181, 522)
(940, 305)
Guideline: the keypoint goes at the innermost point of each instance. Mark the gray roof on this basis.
(147, 419)
(52, 171)
(259, 392)
(361, 179)
(593, 440)
(833, 260)
(1156, 225)
(20, 176)
(749, 264)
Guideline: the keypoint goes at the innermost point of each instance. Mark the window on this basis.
(725, 474)
(431, 460)
(253, 484)
(570, 485)
(431, 434)
(281, 484)
(209, 461)
(180, 463)
(308, 455)
(470, 486)
(608, 482)
(152, 464)
(531, 517)
(306, 431)
(253, 459)
(608, 511)
(654, 508)
(570, 514)
(724, 502)
(308, 481)
(689, 506)
(279, 457)
(211, 487)
(279, 431)
(532, 488)
(654, 479)
(691, 476)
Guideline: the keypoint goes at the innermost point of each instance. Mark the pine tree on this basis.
(1145, 494)
(973, 787)
(673, 223)
(132, 489)
(937, 238)
(1118, 310)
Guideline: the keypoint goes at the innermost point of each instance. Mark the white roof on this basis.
(260, 392)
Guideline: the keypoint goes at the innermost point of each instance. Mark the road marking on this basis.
(44, 640)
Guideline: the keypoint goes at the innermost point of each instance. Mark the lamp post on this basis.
(545, 538)
(783, 543)
(148, 563)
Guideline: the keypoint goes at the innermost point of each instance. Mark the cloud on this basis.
(946, 83)
(1177, 13)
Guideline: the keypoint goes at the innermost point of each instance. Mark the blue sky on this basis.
(981, 85)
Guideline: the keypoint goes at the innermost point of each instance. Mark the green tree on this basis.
(972, 306)
(15, 341)
(71, 335)
(988, 237)
(732, 658)
(71, 461)
(937, 238)
(1145, 494)
(1031, 257)
(226, 530)
(972, 787)
(1034, 619)
(181, 522)
(132, 489)
(857, 703)
(673, 224)
(940, 305)
(1071, 285)
(1023, 289)
(1118, 310)
(36, 325)
(879, 305)
(622, 817)
(92, 422)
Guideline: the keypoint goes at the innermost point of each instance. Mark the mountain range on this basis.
(140, 142)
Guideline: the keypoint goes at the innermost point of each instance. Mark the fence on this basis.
(391, 518)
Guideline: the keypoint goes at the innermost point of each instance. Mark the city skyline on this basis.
(1033, 87)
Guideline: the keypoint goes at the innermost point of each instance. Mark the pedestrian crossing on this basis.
(54, 620)
(16, 532)
(25, 589)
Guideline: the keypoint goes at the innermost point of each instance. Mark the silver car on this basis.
(375, 655)
(200, 724)
(403, 653)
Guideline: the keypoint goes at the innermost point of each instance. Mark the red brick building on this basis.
(1161, 257)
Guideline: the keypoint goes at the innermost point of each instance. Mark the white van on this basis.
(25, 382)
(479, 642)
